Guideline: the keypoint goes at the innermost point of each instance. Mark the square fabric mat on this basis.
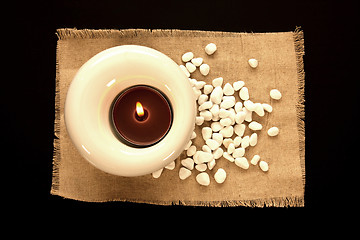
(280, 57)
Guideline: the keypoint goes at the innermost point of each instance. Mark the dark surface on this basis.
(28, 100)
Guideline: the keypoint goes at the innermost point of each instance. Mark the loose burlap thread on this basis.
(281, 66)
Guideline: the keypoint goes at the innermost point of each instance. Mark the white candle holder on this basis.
(94, 88)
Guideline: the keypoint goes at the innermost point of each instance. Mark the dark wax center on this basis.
(145, 130)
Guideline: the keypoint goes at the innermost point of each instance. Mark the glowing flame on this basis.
(139, 109)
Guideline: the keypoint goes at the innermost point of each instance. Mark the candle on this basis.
(141, 116)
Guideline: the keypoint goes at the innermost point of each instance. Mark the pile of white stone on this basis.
(217, 103)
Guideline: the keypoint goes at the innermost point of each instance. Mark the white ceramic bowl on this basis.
(94, 88)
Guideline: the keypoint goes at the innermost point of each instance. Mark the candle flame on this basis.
(139, 109)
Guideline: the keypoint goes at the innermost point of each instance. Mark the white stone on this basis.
(197, 61)
(211, 164)
(255, 126)
(216, 126)
(202, 98)
(185, 71)
(232, 115)
(215, 110)
(208, 88)
(191, 151)
(218, 137)
(255, 159)
(225, 122)
(201, 167)
(253, 62)
(240, 117)
(244, 93)
(184, 173)
(206, 148)
(216, 95)
(237, 141)
(223, 113)
(273, 131)
(238, 152)
(239, 129)
(227, 103)
(200, 84)
(275, 94)
(157, 173)
(267, 107)
(215, 118)
(188, 163)
(170, 166)
(188, 145)
(197, 92)
(245, 142)
(217, 82)
(204, 69)
(227, 156)
(199, 120)
(206, 115)
(202, 157)
(253, 139)
(227, 131)
(193, 135)
(228, 89)
(220, 175)
(206, 105)
(206, 133)
(203, 179)
(249, 105)
(218, 153)
(264, 166)
(210, 48)
(190, 67)
(231, 148)
(248, 114)
(238, 85)
(242, 162)
(238, 107)
(187, 56)
(213, 144)
(192, 82)
(227, 141)
(259, 109)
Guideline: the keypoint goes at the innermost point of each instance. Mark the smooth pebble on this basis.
(255, 159)
(255, 126)
(217, 82)
(275, 94)
(188, 163)
(228, 89)
(242, 162)
(210, 48)
(216, 95)
(220, 175)
(197, 61)
(184, 173)
(187, 56)
(204, 69)
(253, 62)
(273, 131)
(253, 139)
(157, 173)
(213, 144)
(190, 67)
(264, 166)
(244, 93)
(203, 179)
(238, 85)
(206, 133)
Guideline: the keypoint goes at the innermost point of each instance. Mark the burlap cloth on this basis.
(280, 58)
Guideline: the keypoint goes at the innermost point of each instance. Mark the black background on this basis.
(27, 105)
